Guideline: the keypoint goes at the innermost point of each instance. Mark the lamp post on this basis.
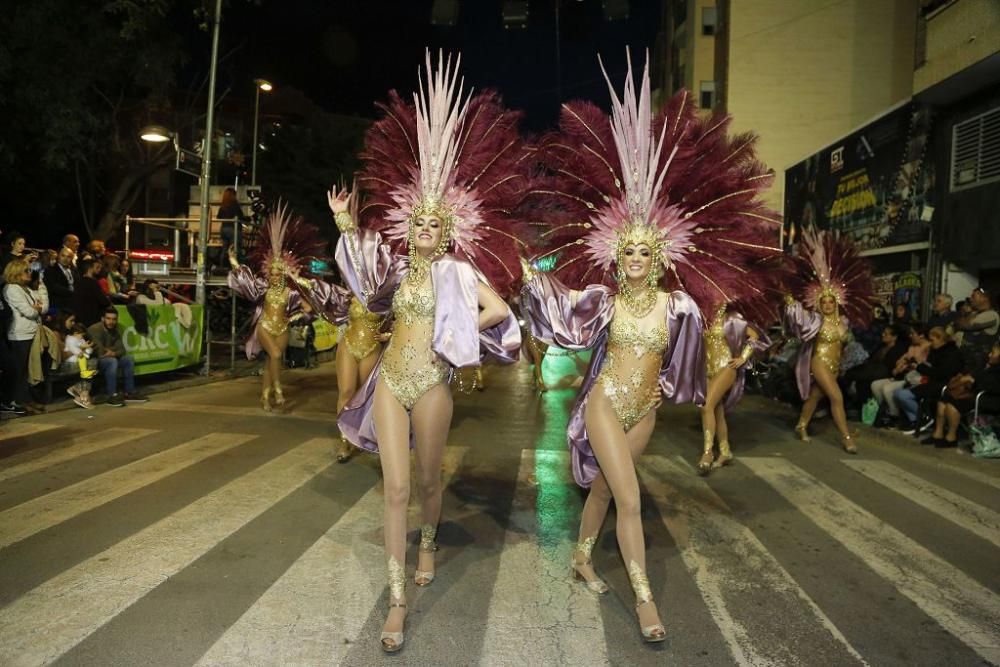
(266, 86)
(204, 182)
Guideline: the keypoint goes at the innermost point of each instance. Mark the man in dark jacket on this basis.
(879, 365)
(89, 300)
(61, 281)
(943, 363)
(112, 357)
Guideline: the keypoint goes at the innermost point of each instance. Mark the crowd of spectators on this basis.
(58, 314)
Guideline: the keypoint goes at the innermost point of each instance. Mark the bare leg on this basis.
(392, 424)
(722, 433)
(269, 345)
(717, 388)
(828, 384)
(431, 422)
(939, 424)
(347, 376)
(954, 418)
(808, 408)
(613, 455)
(595, 508)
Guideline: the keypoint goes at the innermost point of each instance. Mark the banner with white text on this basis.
(169, 340)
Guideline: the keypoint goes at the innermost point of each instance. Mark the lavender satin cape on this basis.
(735, 331)
(804, 325)
(326, 300)
(373, 274)
(555, 320)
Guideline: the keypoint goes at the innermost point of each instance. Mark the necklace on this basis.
(637, 303)
(420, 266)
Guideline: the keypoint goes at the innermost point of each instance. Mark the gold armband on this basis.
(526, 271)
(345, 223)
(746, 353)
(789, 299)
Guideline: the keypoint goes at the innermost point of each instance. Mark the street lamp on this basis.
(266, 87)
(156, 134)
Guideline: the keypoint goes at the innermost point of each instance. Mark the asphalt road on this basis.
(197, 530)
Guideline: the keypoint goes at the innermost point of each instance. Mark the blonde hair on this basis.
(13, 273)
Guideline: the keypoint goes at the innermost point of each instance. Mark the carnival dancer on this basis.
(830, 287)
(441, 178)
(279, 291)
(634, 205)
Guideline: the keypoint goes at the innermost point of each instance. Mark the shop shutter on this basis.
(975, 151)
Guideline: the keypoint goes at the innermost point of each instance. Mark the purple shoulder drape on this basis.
(735, 331)
(556, 320)
(456, 339)
(804, 325)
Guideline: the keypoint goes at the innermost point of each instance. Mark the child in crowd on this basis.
(78, 350)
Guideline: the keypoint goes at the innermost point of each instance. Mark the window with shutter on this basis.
(975, 151)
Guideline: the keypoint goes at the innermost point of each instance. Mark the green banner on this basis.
(167, 344)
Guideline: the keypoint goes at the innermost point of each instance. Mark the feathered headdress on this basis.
(825, 265)
(453, 157)
(677, 183)
(287, 241)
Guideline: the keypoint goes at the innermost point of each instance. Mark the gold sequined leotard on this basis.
(410, 367)
(717, 352)
(361, 336)
(829, 343)
(631, 372)
(274, 318)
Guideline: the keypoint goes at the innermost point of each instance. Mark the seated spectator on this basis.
(879, 366)
(26, 317)
(151, 294)
(925, 383)
(901, 314)
(89, 300)
(941, 313)
(112, 358)
(60, 281)
(979, 329)
(125, 271)
(884, 389)
(111, 280)
(78, 357)
(960, 398)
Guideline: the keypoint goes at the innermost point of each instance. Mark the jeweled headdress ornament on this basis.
(452, 155)
(825, 265)
(676, 183)
(287, 241)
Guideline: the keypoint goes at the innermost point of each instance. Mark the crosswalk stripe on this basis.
(953, 599)
(238, 411)
(737, 576)
(522, 617)
(976, 475)
(33, 516)
(319, 605)
(21, 428)
(972, 516)
(49, 620)
(76, 447)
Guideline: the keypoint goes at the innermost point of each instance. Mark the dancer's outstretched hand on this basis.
(338, 201)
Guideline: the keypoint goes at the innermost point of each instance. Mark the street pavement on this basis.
(198, 530)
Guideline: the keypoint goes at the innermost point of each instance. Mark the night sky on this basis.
(345, 54)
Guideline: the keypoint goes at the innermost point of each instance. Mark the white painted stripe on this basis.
(737, 576)
(975, 518)
(38, 514)
(239, 411)
(76, 447)
(21, 428)
(976, 475)
(49, 620)
(957, 602)
(314, 612)
(546, 619)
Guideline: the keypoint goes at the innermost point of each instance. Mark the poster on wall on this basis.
(874, 186)
(895, 290)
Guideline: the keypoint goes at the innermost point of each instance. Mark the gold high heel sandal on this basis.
(800, 430)
(393, 641)
(279, 394)
(725, 455)
(343, 450)
(640, 584)
(427, 546)
(265, 399)
(585, 548)
(848, 443)
(707, 457)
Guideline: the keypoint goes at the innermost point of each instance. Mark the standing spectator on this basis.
(944, 362)
(96, 249)
(112, 357)
(71, 242)
(16, 243)
(231, 214)
(979, 329)
(151, 294)
(26, 315)
(941, 313)
(125, 270)
(89, 300)
(61, 280)
(111, 280)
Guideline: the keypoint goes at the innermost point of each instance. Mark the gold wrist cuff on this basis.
(345, 223)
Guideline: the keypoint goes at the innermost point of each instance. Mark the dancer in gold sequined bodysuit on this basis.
(356, 356)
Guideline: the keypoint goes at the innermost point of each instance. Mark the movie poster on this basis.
(875, 186)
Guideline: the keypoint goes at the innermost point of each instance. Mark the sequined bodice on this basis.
(414, 304)
(829, 343)
(410, 366)
(717, 352)
(363, 327)
(274, 317)
(625, 333)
